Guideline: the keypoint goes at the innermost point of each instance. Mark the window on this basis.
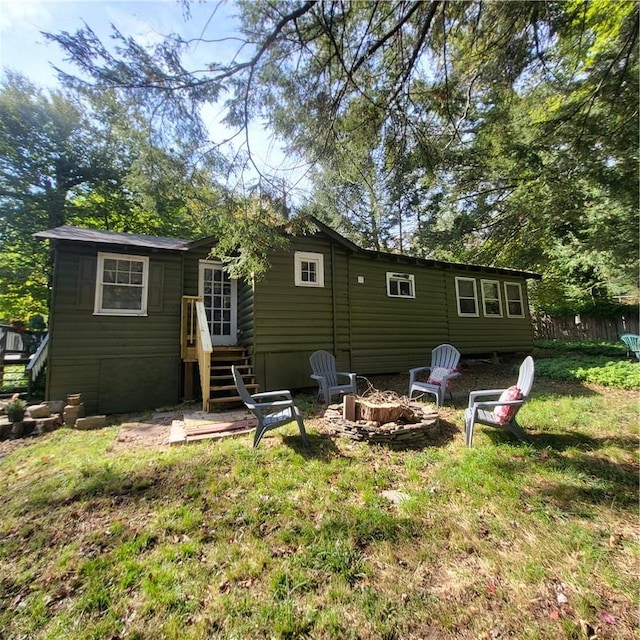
(400, 285)
(513, 296)
(121, 285)
(467, 296)
(309, 269)
(491, 302)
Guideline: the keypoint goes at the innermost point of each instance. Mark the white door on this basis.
(219, 294)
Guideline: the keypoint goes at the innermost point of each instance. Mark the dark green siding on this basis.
(117, 363)
(292, 322)
(133, 363)
(394, 334)
(245, 314)
(191, 269)
(484, 335)
(368, 331)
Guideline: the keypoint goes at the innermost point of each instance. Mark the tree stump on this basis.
(382, 412)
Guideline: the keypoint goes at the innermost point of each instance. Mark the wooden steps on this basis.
(223, 388)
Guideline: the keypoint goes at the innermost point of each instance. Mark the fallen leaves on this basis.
(605, 616)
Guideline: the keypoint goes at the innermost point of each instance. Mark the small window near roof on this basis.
(491, 302)
(513, 297)
(400, 285)
(467, 297)
(121, 285)
(309, 269)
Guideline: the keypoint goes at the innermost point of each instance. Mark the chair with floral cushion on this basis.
(500, 412)
(443, 369)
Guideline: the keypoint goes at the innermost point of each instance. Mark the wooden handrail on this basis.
(204, 349)
(38, 360)
(195, 342)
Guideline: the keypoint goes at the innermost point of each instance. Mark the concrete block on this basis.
(92, 422)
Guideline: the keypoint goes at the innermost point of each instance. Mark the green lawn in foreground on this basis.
(531, 540)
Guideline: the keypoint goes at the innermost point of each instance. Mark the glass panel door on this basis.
(219, 294)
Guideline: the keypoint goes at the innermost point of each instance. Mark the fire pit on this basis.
(384, 418)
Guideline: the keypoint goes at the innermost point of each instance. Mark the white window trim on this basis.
(98, 310)
(475, 297)
(521, 300)
(404, 277)
(484, 299)
(307, 256)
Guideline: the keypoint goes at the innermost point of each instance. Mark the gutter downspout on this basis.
(333, 300)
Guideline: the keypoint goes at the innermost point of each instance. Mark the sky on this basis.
(23, 48)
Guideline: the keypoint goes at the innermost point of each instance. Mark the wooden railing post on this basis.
(195, 345)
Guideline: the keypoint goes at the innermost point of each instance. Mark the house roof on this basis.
(75, 234)
(403, 258)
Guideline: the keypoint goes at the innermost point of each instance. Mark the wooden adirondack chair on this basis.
(633, 343)
(323, 365)
(502, 411)
(444, 360)
(269, 414)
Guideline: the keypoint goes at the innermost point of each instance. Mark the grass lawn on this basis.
(534, 540)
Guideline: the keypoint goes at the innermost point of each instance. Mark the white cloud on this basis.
(24, 14)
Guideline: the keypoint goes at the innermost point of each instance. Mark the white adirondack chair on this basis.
(323, 365)
(489, 412)
(444, 360)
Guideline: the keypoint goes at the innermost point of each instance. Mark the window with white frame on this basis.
(401, 285)
(491, 300)
(467, 297)
(513, 299)
(309, 269)
(121, 285)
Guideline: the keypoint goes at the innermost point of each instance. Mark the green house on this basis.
(139, 322)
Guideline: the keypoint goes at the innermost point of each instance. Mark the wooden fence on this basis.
(582, 327)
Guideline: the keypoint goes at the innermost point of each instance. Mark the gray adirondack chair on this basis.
(269, 413)
(482, 411)
(445, 356)
(632, 341)
(323, 365)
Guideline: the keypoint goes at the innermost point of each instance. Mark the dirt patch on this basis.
(146, 432)
(9, 446)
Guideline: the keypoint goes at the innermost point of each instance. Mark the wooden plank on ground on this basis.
(200, 425)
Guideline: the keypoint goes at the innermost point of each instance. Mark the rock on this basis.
(92, 422)
(38, 411)
(45, 425)
(55, 406)
(396, 497)
(72, 413)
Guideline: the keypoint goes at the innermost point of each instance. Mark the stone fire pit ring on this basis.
(396, 435)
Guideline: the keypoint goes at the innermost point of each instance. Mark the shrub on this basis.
(621, 374)
(588, 347)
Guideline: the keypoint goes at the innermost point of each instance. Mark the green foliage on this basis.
(69, 159)
(593, 369)
(587, 361)
(585, 347)
(502, 133)
(15, 404)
